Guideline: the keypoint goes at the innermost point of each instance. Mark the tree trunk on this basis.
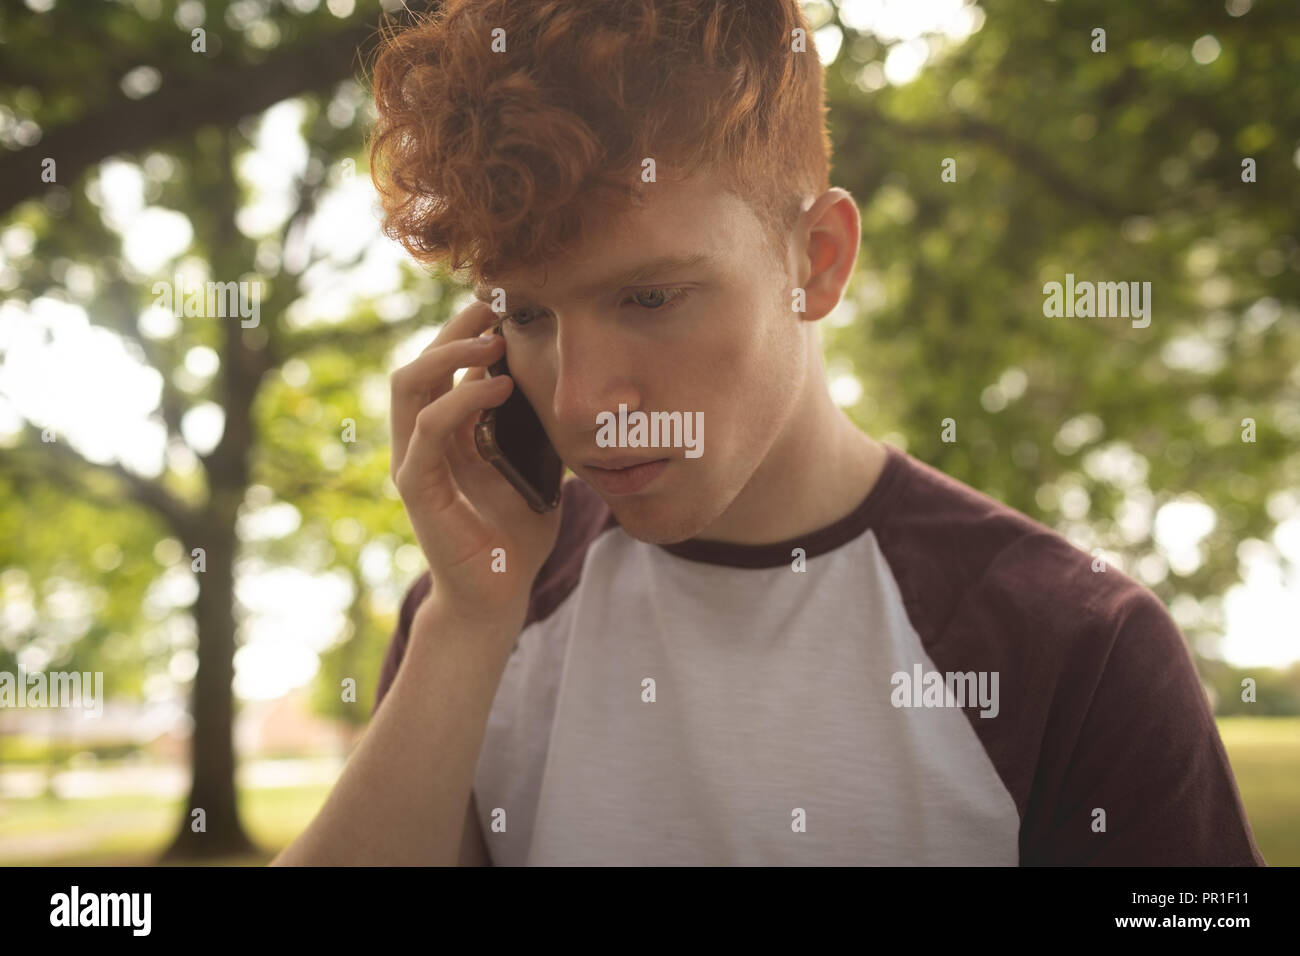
(212, 788)
(243, 362)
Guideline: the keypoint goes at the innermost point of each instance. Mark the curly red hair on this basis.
(491, 161)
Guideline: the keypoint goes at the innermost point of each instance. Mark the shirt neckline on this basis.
(814, 543)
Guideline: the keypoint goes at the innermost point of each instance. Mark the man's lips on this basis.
(613, 464)
(628, 480)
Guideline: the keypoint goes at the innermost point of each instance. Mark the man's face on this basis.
(717, 337)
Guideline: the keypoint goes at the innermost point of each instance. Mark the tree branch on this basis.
(115, 311)
(337, 336)
(221, 96)
(295, 230)
(62, 460)
(1024, 155)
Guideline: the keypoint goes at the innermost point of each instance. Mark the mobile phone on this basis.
(511, 438)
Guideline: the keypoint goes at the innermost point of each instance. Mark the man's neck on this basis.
(818, 471)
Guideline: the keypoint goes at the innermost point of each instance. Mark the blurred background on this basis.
(198, 507)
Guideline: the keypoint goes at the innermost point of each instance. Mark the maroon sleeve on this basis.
(583, 518)
(1145, 750)
(1102, 707)
(415, 595)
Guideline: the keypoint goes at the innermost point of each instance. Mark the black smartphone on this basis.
(512, 439)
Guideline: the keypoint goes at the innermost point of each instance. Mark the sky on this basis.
(82, 381)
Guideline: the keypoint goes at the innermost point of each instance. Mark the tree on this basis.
(1122, 165)
(188, 138)
(1126, 164)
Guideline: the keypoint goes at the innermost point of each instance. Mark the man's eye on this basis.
(514, 318)
(660, 300)
(669, 298)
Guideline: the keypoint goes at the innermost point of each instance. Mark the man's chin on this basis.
(656, 519)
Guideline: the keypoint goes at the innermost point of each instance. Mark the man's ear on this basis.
(831, 232)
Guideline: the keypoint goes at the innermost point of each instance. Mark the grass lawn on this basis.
(132, 830)
(1265, 755)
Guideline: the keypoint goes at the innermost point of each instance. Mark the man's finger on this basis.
(426, 379)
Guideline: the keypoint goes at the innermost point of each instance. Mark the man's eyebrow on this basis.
(645, 270)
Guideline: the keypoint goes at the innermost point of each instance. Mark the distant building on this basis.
(285, 725)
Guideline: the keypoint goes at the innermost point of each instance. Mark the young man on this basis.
(800, 646)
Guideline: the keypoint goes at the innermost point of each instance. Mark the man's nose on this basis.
(594, 374)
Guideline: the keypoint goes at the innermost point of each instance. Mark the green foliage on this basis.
(1123, 165)
(1276, 693)
(70, 524)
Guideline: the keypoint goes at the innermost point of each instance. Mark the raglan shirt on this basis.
(704, 703)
